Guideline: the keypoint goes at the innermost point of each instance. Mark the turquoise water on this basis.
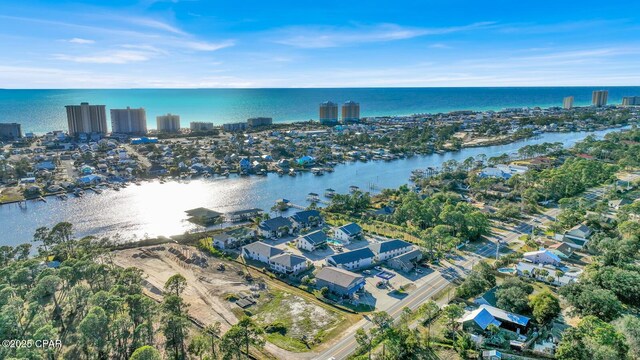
(43, 110)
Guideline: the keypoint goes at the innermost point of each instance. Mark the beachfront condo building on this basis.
(350, 112)
(599, 98)
(10, 131)
(567, 103)
(631, 101)
(200, 126)
(328, 113)
(168, 123)
(129, 121)
(259, 121)
(86, 119)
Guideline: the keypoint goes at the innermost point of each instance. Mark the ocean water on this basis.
(43, 110)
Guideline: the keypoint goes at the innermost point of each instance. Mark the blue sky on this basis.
(246, 43)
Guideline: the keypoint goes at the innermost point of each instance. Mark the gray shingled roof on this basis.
(263, 249)
(351, 229)
(340, 277)
(275, 223)
(287, 260)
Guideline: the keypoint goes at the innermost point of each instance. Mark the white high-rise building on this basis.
(86, 119)
(128, 121)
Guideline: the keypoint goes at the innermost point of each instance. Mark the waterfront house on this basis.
(288, 264)
(352, 260)
(577, 236)
(243, 215)
(275, 227)
(542, 256)
(312, 241)
(479, 320)
(339, 281)
(546, 273)
(306, 219)
(231, 239)
(407, 261)
(260, 251)
(348, 233)
(387, 249)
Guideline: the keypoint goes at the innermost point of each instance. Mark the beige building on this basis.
(200, 126)
(259, 121)
(129, 121)
(86, 119)
(631, 101)
(350, 112)
(168, 123)
(599, 98)
(567, 102)
(328, 113)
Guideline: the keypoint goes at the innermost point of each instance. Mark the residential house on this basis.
(348, 233)
(616, 204)
(288, 264)
(387, 249)
(485, 315)
(231, 239)
(544, 273)
(352, 260)
(306, 219)
(312, 241)
(260, 251)
(339, 281)
(577, 236)
(488, 298)
(542, 256)
(275, 227)
(491, 355)
(407, 261)
(562, 250)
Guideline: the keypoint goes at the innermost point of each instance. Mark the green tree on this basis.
(545, 307)
(146, 353)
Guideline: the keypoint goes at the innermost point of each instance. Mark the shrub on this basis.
(276, 327)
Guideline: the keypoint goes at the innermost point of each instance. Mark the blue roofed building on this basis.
(275, 227)
(306, 219)
(312, 241)
(352, 260)
(348, 233)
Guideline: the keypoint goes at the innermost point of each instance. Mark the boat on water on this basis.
(353, 188)
(292, 172)
(62, 196)
(329, 192)
(78, 193)
(317, 171)
(313, 197)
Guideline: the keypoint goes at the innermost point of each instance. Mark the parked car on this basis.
(379, 268)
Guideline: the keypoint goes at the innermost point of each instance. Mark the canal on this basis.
(153, 209)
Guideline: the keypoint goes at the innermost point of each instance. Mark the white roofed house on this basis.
(260, 251)
(288, 264)
(480, 319)
(542, 256)
(577, 236)
(312, 241)
(385, 250)
(348, 233)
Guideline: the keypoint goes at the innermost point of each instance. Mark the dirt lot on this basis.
(206, 286)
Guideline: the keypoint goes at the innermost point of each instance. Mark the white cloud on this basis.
(113, 57)
(208, 46)
(326, 37)
(81, 41)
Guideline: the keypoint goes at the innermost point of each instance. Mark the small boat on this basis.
(353, 188)
(78, 193)
(313, 197)
(292, 172)
(317, 171)
(329, 192)
(62, 196)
